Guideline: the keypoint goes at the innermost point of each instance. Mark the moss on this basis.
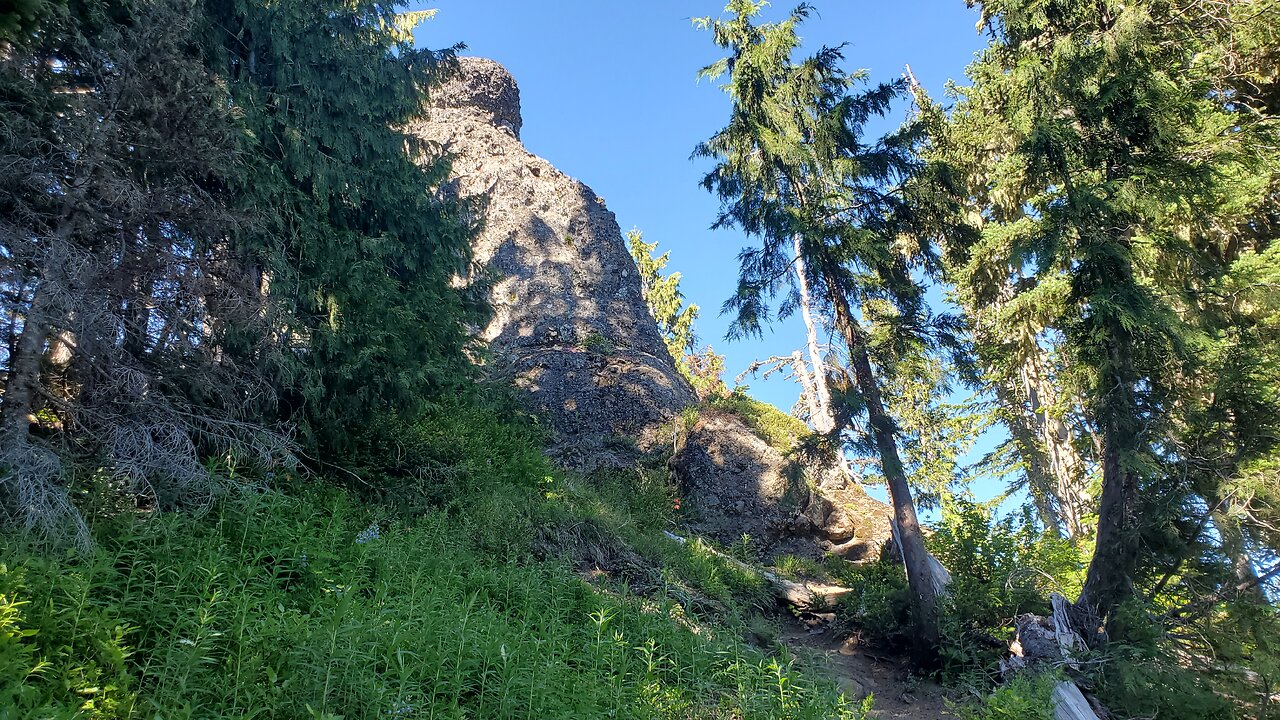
(775, 427)
(596, 343)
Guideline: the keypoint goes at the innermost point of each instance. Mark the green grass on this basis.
(320, 603)
(773, 426)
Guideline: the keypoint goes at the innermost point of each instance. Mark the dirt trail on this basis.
(859, 672)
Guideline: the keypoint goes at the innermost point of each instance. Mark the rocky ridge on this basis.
(571, 329)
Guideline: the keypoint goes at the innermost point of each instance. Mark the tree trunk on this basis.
(924, 598)
(1115, 558)
(1063, 465)
(823, 418)
(1043, 493)
(23, 383)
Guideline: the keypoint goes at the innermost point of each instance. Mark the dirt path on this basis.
(858, 672)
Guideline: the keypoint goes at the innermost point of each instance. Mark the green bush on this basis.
(879, 608)
(432, 585)
(1026, 697)
(449, 455)
(1000, 569)
(1143, 678)
(62, 651)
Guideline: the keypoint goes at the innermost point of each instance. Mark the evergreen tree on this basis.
(120, 291)
(362, 253)
(793, 172)
(666, 302)
(1105, 169)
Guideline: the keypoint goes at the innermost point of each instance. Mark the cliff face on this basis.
(572, 330)
(570, 324)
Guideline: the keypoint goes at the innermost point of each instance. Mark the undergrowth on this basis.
(318, 601)
(775, 427)
(1001, 569)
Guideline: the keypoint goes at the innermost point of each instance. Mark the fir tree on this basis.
(794, 173)
(666, 303)
(1108, 173)
(120, 290)
(362, 247)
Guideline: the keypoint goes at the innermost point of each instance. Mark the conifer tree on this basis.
(362, 249)
(666, 303)
(1109, 169)
(793, 172)
(120, 292)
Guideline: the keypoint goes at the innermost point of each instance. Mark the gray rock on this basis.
(571, 329)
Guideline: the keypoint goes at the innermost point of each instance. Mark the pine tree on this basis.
(794, 173)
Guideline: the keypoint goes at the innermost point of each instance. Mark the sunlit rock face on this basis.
(570, 324)
(571, 329)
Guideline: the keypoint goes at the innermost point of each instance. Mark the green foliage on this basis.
(288, 607)
(63, 654)
(20, 16)
(1143, 684)
(880, 606)
(1026, 697)
(666, 302)
(794, 172)
(706, 373)
(594, 342)
(467, 604)
(775, 427)
(936, 432)
(1001, 568)
(360, 247)
(1109, 164)
(1154, 672)
(455, 453)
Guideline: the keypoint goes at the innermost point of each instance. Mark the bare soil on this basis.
(859, 671)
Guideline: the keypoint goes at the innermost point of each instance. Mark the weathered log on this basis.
(804, 596)
(1051, 641)
(1070, 704)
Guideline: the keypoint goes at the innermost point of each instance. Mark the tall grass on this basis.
(320, 604)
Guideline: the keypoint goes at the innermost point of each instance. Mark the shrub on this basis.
(879, 607)
(1026, 697)
(449, 455)
(1000, 569)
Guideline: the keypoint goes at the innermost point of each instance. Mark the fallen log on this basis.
(1070, 704)
(804, 596)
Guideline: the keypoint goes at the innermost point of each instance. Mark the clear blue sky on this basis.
(610, 96)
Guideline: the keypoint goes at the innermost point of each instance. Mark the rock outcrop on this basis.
(572, 330)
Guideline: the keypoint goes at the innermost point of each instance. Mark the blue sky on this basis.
(610, 96)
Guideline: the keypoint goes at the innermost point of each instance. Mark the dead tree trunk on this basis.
(822, 417)
(1062, 464)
